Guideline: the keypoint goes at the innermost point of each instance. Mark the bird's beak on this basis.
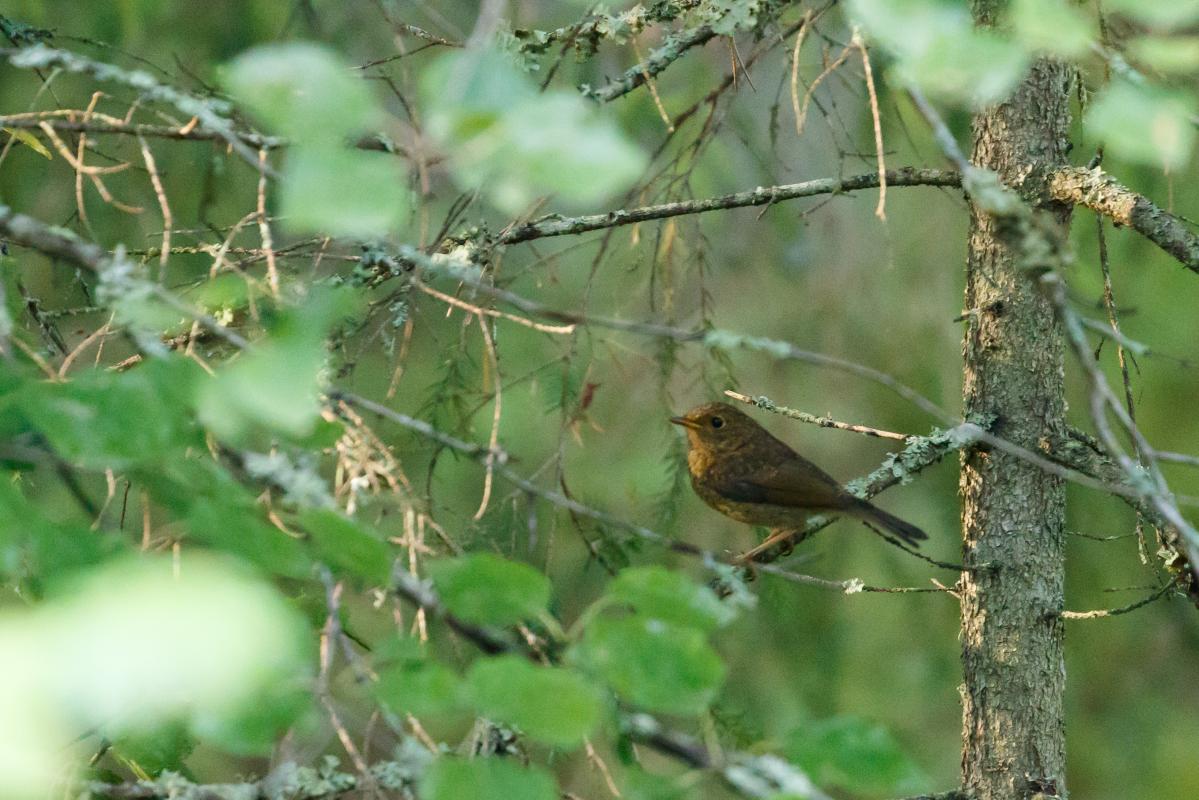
(686, 423)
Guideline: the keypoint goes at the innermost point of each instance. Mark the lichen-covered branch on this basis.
(1104, 195)
(586, 34)
(557, 225)
(672, 49)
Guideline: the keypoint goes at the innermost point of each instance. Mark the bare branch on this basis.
(1113, 612)
(193, 134)
(557, 225)
(209, 112)
(761, 401)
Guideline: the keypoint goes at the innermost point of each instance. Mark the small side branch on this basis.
(1104, 195)
(671, 50)
(761, 401)
(1115, 612)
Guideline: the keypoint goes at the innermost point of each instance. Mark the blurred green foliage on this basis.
(254, 462)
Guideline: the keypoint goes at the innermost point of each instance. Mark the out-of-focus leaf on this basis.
(553, 705)
(238, 531)
(671, 596)
(33, 547)
(978, 67)
(485, 779)
(1052, 26)
(518, 143)
(303, 91)
(275, 386)
(420, 687)
(937, 47)
(344, 545)
(909, 27)
(108, 419)
(489, 590)
(642, 785)
(255, 727)
(557, 145)
(469, 92)
(1173, 54)
(1158, 14)
(349, 193)
(652, 663)
(165, 748)
(139, 646)
(1143, 124)
(854, 754)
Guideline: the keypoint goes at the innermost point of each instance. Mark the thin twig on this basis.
(1113, 612)
(881, 210)
(766, 403)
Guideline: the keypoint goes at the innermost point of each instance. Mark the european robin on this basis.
(743, 472)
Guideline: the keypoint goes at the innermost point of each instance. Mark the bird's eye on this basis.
(717, 422)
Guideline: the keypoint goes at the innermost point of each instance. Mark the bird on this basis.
(738, 468)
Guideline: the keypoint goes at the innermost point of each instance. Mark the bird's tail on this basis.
(873, 515)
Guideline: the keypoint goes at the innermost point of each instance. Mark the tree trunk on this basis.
(1012, 512)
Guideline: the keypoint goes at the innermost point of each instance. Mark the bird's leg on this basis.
(781, 538)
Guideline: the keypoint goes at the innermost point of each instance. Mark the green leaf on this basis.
(201, 641)
(419, 687)
(557, 145)
(485, 779)
(345, 545)
(303, 91)
(165, 748)
(1052, 26)
(553, 705)
(1159, 14)
(255, 728)
(938, 48)
(32, 546)
(275, 385)
(854, 754)
(488, 590)
(467, 92)
(670, 596)
(116, 420)
(657, 665)
(1143, 124)
(231, 527)
(348, 193)
(1173, 54)
(978, 67)
(642, 785)
(517, 143)
(31, 141)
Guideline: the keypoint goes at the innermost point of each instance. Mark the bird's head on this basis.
(718, 427)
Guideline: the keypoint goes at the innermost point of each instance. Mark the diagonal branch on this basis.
(671, 50)
(1104, 195)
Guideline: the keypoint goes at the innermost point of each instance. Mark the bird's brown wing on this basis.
(794, 483)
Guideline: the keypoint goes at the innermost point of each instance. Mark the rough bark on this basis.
(1012, 512)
